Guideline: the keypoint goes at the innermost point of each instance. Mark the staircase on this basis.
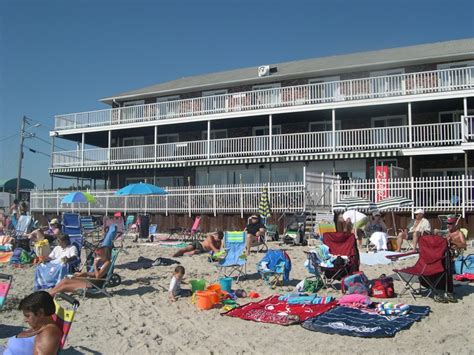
(316, 212)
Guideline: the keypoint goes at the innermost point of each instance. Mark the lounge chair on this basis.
(107, 241)
(111, 279)
(5, 285)
(23, 226)
(274, 268)
(235, 260)
(64, 317)
(429, 270)
(340, 244)
(87, 224)
(129, 222)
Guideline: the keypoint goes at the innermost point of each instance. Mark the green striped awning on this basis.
(394, 203)
(354, 203)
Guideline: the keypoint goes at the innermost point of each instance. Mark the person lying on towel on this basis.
(213, 242)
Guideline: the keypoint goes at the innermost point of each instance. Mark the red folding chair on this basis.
(429, 269)
(345, 245)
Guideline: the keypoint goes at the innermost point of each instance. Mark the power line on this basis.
(8, 137)
(37, 151)
(45, 141)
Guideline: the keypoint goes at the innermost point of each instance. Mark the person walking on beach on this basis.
(213, 242)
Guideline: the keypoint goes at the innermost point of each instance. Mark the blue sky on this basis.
(62, 56)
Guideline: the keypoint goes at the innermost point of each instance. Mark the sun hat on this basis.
(376, 213)
(54, 221)
(420, 211)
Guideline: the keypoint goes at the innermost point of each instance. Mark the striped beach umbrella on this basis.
(354, 203)
(264, 206)
(394, 203)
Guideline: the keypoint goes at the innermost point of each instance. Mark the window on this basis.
(267, 97)
(389, 121)
(329, 90)
(130, 113)
(215, 134)
(388, 82)
(215, 100)
(455, 78)
(167, 105)
(443, 172)
(452, 116)
(389, 137)
(168, 138)
(133, 141)
(136, 180)
(265, 131)
(323, 126)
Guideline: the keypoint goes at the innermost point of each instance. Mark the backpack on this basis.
(355, 283)
(383, 287)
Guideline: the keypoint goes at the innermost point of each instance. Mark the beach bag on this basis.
(313, 285)
(464, 264)
(355, 283)
(383, 287)
(21, 256)
(42, 248)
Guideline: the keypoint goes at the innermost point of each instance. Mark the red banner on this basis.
(381, 183)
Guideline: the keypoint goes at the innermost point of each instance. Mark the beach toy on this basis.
(229, 302)
(214, 297)
(198, 285)
(226, 283)
(253, 294)
(203, 300)
(241, 293)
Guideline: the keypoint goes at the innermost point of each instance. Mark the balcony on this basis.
(382, 87)
(281, 145)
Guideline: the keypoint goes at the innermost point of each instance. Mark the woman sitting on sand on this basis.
(44, 336)
(82, 280)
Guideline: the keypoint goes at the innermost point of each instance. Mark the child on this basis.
(175, 284)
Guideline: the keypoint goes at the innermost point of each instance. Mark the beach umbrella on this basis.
(391, 203)
(354, 203)
(264, 205)
(140, 189)
(78, 197)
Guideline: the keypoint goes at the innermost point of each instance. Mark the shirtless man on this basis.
(213, 242)
(455, 237)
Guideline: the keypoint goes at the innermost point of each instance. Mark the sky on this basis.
(63, 56)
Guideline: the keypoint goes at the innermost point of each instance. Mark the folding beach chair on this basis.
(429, 269)
(235, 260)
(107, 241)
(275, 267)
(129, 221)
(5, 285)
(23, 226)
(111, 279)
(64, 317)
(87, 224)
(339, 244)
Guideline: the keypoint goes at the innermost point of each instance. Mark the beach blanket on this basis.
(48, 275)
(381, 257)
(271, 310)
(145, 263)
(167, 244)
(355, 322)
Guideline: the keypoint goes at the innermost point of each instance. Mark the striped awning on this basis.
(394, 203)
(354, 203)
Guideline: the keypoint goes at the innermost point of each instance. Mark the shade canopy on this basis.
(394, 203)
(78, 197)
(140, 189)
(354, 203)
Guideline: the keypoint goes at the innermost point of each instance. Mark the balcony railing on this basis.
(433, 194)
(344, 90)
(365, 139)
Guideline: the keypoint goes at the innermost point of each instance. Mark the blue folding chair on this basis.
(234, 264)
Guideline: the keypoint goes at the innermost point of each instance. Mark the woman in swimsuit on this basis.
(44, 336)
(82, 280)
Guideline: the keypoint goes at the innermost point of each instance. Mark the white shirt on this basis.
(58, 253)
(175, 286)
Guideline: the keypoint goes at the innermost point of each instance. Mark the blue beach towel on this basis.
(49, 274)
(354, 322)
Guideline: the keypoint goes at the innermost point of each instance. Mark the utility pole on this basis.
(20, 156)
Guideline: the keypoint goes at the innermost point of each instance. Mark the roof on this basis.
(10, 184)
(411, 55)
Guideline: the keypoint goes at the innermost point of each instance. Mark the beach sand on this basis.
(139, 319)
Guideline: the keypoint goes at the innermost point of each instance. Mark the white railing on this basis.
(468, 127)
(344, 90)
(214, 199)
(453, 194)
(365, 139)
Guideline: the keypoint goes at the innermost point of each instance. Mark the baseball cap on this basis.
(54, 221)
(452, 220)
(420, 211)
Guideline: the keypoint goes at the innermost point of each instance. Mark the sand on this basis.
(139, 319)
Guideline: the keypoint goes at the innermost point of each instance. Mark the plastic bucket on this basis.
(203, 300)
(214, 287)
(198, 285)
(214, 297)
(226, 284)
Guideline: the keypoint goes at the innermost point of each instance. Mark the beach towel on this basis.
(48, 275)
(382, 257)
(355, 322)
(145, 263)
(303, 298)
(271, 310)
(464, 277)
(5, 256)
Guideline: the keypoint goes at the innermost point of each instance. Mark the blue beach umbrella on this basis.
(140, 189)
(78, 197)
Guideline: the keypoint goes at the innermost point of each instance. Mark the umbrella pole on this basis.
(394, 224)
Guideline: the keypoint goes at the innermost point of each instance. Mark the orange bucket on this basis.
(217, 289)
(203, 300)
